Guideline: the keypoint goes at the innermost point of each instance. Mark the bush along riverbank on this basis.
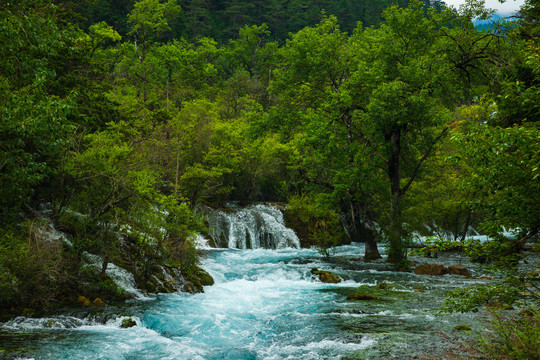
(72, 262)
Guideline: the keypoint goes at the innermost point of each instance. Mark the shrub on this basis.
(34, 268)
(513, 338)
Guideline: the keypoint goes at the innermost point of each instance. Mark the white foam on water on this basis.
(316, 350)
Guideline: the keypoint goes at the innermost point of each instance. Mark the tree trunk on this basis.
(360, 232)
(372, 251)
(396, 251)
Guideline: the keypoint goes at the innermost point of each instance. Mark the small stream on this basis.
(265, 304)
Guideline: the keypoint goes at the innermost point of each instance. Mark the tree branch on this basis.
(422, 159)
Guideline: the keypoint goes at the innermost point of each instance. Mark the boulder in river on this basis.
(128, 323)
(326, 276)
(459, 270)
(430, 269)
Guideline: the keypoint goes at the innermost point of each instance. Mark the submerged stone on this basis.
(462, 328)
(430, 269)
(358, 296)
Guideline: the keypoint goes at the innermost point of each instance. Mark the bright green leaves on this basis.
(506, 166)
(149, 18)
(34, 107)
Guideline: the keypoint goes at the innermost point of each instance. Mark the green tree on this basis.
(148, 20)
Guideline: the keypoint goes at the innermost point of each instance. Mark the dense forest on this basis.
(371, 121)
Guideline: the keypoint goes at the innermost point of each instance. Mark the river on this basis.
(265, 304)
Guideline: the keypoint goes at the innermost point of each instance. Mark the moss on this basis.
(326, 276)
(384, 286)
(128, 323)
(358, 296)
(462, 328)
(98, 302)
(205, 278)
(83, 301)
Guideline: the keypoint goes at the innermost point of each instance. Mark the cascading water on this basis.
(253, 227)
(265, 304)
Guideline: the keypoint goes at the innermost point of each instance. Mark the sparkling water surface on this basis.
(265, 304)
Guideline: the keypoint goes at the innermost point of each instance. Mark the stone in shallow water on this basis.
(430, 269)
(326, 276)
(128, 323)
(459, 270)
(462, 328)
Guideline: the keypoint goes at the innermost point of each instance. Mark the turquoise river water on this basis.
(265, 304)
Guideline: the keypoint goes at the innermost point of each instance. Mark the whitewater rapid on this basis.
(265, 304)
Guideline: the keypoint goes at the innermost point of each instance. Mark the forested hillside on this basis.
(222, 20)
(118, 119)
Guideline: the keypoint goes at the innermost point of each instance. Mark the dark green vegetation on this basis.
(118, 118)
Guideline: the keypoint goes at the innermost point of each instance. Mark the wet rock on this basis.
(459, 270)
(193, 287)
(358, 296)
(326, 276)
(419, 290)
(485, 277)
(462, 328)
(152, 285)
(205, 278)
(83, 301)
(430, 269)
(128, 323)
(98, 302)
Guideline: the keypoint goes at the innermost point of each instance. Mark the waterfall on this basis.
(251, 227)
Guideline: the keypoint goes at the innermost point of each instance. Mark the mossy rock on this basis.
(210, 240)
(420, 290)
(326, 276)
(459, 270)
(205, 278)
(83, 301)
(152, 285)
(128, 323)
(462, 328)
(384, 286)
(193, 287)
(361, 296)
(98, 302)
(430, 269)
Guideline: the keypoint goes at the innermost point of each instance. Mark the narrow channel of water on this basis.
(265, 305)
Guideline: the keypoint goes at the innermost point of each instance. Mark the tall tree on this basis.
(147, 21)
